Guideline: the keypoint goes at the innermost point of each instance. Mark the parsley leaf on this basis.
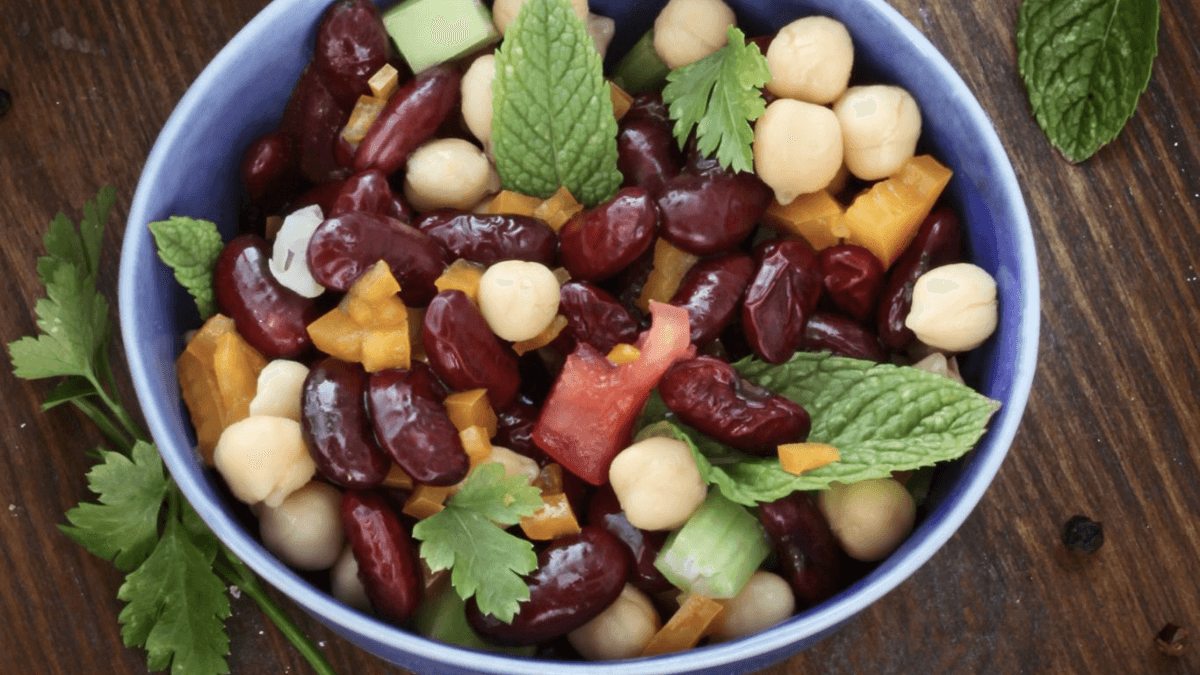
(719, 96)
(191, 247)
(486, 561)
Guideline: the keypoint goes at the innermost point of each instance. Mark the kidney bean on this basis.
(323, 195)
(938, 242)
(696, 162)
(853, 279)
(647, 155)
(712, 212)
(386, 556)
(605, 511)
(425, 382)
(271, 170)
(648, 105)
(577, 577)
(593, 316)
(841, 336)
(490, 238)
(416, 431)
(464, 351)
(271, 317)
(343, 248)
(336, 428)
(708, 394)
(351, 45)
(315, 119)
(711, 292)
(628, 284)
(399, 208)
(778, 302)
(366, 191)
(598, 243)
(514, 430)
(410, 118)
(538, 372)
(805, 549)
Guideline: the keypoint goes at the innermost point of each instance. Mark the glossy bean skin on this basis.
(410, 118)
(597, 243)
(806, 551)
(514, 430)
(577, 577)
(647, 155)
(783, 294)
(708, 394)
(323, 195)
(367, 191)
(271, 170)
(841, 336)
(712, 293)
(351, 44)
(343, 248)
(605, 511)
(465, 353)
(415, 430)
(336, 426)
(713, 212)
(315, 119)
(271, 317)
(593, 316)
(490, 238)
(938, 242)
(386, 555)
(853, 279)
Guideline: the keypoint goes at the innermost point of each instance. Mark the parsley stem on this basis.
(114, 405)
(111, 431)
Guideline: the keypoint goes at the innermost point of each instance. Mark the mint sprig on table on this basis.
(1084, 64)
(178, 573)
(190, 247)
(552, 122)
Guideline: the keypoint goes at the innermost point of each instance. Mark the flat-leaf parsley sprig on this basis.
(177, 572)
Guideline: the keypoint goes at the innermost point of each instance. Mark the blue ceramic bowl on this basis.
(193, 170)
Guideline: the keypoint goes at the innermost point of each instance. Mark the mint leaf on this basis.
(553, 122)
(485, 561)
(1085, 63)
(190, 247)
(719, 95)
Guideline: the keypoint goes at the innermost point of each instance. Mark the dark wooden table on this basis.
(1112, 429)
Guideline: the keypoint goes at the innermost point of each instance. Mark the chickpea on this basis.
(477, 97)
(514, 463)
(764, 601)
(278, 392)
(810, 60)
(938, 364)
(953, 307)
(797, 148)
(657, 483)
(448, 173)
(504, 11)
(347, 587)
(880, 127)
(263, 459)
(518, 299)
(686, 31)
(602, 29)
(305, 530)
(870, 518)
(621, 631)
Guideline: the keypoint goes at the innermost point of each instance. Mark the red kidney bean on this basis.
(805, 550)
(593, 316)
(712, 292)
(366, 191)
(323, 195)
(344, 248)
(628, 284)
(410, 118)
(938, 242)
(538, 372)
(853, 279)
(271, 170)
(464, 351)
(577, 577)
(647, 155)
(784, 292)
(514, 430)
(708, 394)
(315, 119)
(387, 559)
(648, 105)
(490, 238)
(841, 336)
(605, 511)
(416, 431)
(696, 162)
(762, 41)
(336, 428)
(351, 45)
(425, 382)
(270, 316)
(713, 212)
(599, 242)
(399, 208)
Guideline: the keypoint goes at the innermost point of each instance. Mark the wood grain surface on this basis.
(1112, 428)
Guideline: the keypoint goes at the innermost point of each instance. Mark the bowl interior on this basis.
(193, 171)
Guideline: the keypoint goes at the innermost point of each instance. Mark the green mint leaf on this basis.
(485, 561)
(122, 525)
(553, 122)
(1085, 63)
(719, 96)
(190, 247)
(176, 608)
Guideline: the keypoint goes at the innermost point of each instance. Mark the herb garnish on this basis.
(191, 247)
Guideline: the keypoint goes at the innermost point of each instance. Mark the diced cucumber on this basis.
(641, 69)
(716, 550)
(429, 32)
(443, 617)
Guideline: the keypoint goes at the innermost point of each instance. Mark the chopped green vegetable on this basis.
(190, 247)
(553, 123)
(426, 37)
(641, 69)
(716, 550)
(1084, 64)
(719, 96)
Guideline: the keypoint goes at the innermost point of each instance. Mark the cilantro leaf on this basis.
(485, 560)
(719, 96)
(123, 525)
(191, 247)
(553, 123)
